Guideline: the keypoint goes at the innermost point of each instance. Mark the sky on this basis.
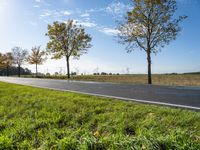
(24, 23)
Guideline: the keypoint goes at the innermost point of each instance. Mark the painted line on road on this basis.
(119, 98)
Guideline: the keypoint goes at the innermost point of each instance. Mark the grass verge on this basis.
(34, 118)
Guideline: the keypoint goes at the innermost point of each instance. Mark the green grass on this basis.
(33, 118)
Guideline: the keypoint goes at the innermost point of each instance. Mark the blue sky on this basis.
(24, 23)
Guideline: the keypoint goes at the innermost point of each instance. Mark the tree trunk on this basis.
(68, 69)
(7, 71)
(149, 66)
(19, 70)
(36, 70)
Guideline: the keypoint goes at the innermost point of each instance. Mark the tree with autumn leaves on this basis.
(2, 61)
(6, 61)
(19, 56)
(67, 39)
(149, 26)
(37, 57)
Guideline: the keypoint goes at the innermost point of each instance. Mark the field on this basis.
(172, 80)
(34, 118)
(177, 80)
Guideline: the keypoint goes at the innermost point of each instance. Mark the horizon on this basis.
(25, 23)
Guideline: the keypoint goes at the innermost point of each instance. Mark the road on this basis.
(183, 97)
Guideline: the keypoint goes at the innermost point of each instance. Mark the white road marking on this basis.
(120, 98)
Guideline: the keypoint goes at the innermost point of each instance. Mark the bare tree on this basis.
(150, 26)
(66, 40)
(36, 57)
(19, 57)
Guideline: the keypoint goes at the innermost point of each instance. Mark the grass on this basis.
(34, 118)
(172, 80)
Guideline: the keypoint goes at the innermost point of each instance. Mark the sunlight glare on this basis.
(4, 4)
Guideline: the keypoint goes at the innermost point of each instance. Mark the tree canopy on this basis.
(2, 61)
(19, 55)
(36, 56)
(67, 39)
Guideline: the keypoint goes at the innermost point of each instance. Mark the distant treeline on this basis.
(14, 71)
(192, 73)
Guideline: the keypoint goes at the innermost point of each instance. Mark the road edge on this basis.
(116, 97)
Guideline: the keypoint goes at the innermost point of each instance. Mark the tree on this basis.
(14, 71)
(8, 62)
(150, 26)
(66, 40)
(36, 57)
(2, 61)
(19, 57)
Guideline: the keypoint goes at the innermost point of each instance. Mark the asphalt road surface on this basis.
(183, 97)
